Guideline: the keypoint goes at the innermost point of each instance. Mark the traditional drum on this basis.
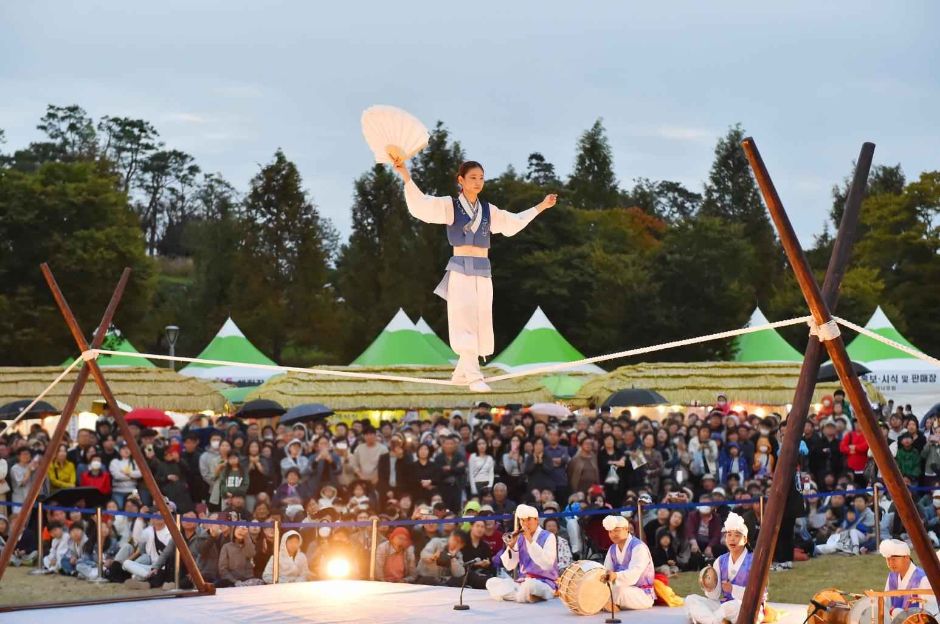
(914, 617)
(837, 608)
(582, 588)
(862, 611)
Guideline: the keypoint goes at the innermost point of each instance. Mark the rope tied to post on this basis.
(825, 332)
(89, 355)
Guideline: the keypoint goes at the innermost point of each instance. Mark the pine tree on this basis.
(731, 195)
(593, 184)
(541, 172)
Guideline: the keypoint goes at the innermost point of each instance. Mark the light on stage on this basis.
(337, 569)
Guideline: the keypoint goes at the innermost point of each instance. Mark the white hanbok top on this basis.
(440, 210)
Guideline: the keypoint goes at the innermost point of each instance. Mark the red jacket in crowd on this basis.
(855, 460)
(101, 481)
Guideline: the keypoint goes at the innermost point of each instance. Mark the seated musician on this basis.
(533, 551)
(629, 566)
(903, 574)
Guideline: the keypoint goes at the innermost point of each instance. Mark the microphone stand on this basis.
(817, 607)
(612, 619)
(460, 606)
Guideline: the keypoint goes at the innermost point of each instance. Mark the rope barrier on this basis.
(313, 524)
(42, 394)
(875, 336)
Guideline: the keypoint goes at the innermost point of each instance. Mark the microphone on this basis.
(473, 561)
(819, 606)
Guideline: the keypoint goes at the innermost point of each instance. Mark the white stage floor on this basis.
(344, 601)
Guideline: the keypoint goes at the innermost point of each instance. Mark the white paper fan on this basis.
(393, 132)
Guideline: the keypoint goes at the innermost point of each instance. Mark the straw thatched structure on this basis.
(345, 394)
(138, 387)
(701, 382)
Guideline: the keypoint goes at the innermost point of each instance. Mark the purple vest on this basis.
(529, 569)
(740, 578)
(459, 232)
(904, 602)
(645, 582)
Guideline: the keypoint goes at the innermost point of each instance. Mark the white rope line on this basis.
(875, 336)
(293, 369)
(61, 376)
(827, 331)
(642, 350)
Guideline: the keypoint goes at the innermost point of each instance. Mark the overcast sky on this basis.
(231, 81)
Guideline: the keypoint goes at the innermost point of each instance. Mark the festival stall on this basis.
(231, 345)
(763, 346)
(539, 344)
(115, 341)
(896, 374)
(401, 344)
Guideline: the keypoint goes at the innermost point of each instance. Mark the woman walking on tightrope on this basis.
(467, 286)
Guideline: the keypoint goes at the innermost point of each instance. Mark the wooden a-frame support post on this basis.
(90, 367)
(803, 395)
(894, 481)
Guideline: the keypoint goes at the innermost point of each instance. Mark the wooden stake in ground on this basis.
(813, 357)
(835, 347)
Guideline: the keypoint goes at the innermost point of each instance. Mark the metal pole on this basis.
(98, 519)
(894, 480)
(276, 568)
(39, 554)
(877, 509)
(639, 521)
(176, 559)
(374, 548)
(788, 457)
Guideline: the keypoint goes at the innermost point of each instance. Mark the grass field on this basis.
(849, 574)
(19, 587)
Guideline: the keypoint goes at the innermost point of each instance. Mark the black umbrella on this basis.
(933, 411)
(71, 497)
(261, 408)
(12, 410)
(308, 412)
(639, 397)
(827, 372)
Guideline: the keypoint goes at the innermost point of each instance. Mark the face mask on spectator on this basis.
(764, 431)
(628, 513)
(936, 503)
(95, 465)
(704, 509)
(215, 443)
(324, 532)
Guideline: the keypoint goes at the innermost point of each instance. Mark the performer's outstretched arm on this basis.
(511, 223)
(437, 210)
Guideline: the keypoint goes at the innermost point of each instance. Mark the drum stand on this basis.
(612, 619)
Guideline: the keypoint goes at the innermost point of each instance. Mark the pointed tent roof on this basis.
(230, 344)
(115, 341)
(763, 346)
(865, 349)
(539, 343)
(439, 345)
(401, 344)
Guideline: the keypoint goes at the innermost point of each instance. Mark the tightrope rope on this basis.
(447, 382)
(39, 398)
(897, 345)
(640, 351)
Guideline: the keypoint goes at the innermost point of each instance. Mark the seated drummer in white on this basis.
(629, 566)
(904, 575)
(534, 552)
(722, 601)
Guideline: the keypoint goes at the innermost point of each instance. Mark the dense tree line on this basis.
(614, 267)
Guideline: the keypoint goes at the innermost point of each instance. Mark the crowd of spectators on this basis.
(438, 468)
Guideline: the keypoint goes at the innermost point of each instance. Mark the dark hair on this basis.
(467, 166)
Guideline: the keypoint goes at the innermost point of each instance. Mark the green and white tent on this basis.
(115, 341)
(401, 344)
(538, 344)
(896, 374)
(439, 345)
(231, 345)
(763, 346)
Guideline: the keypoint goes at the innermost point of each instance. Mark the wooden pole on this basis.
(867, 420)
(813, 357)
(185, 553)
(19, 523)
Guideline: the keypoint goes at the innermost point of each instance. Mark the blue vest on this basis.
(528, 568)
(740, 579)
(459, 234)
(645, 582)
(904, 602)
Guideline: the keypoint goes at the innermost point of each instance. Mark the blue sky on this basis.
(232, 81)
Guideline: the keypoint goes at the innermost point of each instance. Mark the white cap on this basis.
(894, 548)
(735, 523)
(526, 511)
(615, 522)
